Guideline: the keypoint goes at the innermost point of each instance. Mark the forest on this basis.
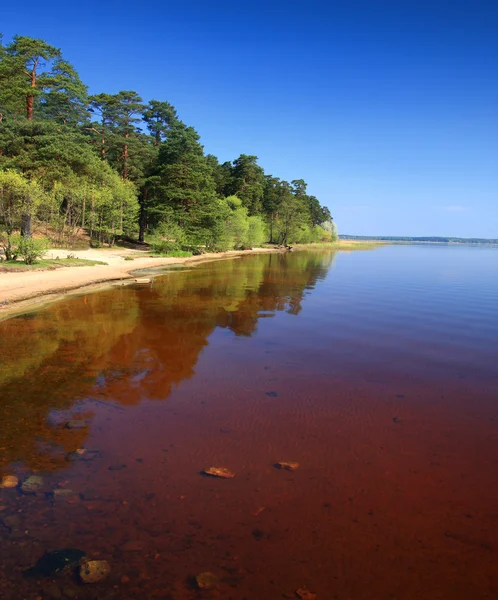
(119, 168)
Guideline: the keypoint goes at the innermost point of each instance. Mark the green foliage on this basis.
(330, 229)
(257, 233)
(168, 236)
(240, 231)
(30, 249)
(248, 181)
(34, 78)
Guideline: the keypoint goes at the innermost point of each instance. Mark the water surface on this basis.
(376, 371)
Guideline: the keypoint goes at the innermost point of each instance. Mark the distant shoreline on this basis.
(420, 239)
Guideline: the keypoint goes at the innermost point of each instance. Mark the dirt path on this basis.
(22, 289)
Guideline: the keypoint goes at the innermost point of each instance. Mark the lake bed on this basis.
(375, 371)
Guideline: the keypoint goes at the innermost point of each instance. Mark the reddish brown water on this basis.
(376, 371)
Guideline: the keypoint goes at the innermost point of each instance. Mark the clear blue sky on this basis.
(387, 108)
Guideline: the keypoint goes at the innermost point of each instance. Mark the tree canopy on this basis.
(117, 166)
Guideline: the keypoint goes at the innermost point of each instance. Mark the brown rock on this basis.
(206, 581)
(9, 481)
(219, 472)
(287, 466)
(132, 546)
(305, 594)
(93, 571)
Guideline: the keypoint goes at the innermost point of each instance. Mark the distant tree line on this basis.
(117, 166)
(433, 239)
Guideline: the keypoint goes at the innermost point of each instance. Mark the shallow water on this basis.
(376, 371)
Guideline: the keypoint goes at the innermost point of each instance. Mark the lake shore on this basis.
(24, 290)
(27, 289)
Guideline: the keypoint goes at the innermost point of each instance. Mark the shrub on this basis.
(168, 237)
(31, 250)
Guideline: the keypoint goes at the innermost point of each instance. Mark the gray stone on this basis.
(32, 484)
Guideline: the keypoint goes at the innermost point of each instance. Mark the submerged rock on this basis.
(287, 466)
(56, 562)
(305, 594)
(221, 472)
(9, 481)
(32, 484)
(63, 492)
(11, 522)
(75, 424)
(206, 581)
(132, 546)
(116, 467)
(84, 454)
(93, 571)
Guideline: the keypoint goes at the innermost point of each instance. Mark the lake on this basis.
(376, 371)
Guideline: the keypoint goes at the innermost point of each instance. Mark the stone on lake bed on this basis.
(221, 472)
(32, 484)
(305, 594)
(11, 522)
(9, 481)
(116, 467)
(93, 571)
(287, 466)
(132, 546)
(206, 581)
(75, 424)
(84, 454)
(63, 492)
(142, 280)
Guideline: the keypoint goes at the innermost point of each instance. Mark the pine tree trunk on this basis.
(26, 226)
(30, 98)
(125, 159)
(29, 107)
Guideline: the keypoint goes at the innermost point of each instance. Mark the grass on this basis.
(342, 245)
(47, 264)
(174, 253)
(358, 244)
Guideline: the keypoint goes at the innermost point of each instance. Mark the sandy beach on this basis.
(20, 290)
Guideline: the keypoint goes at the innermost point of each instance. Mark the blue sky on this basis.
(388, 109)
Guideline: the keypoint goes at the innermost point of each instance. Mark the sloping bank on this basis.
(22, 291)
